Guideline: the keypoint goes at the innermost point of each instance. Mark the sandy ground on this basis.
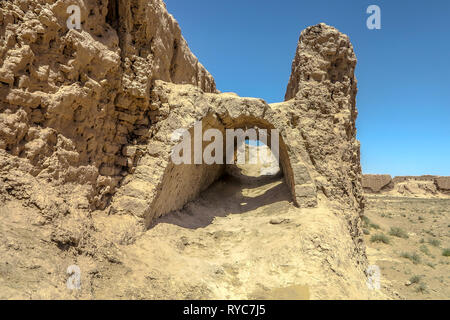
(241, 239)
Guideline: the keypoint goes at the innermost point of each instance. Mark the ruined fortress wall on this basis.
(91, 111)
(376, 182)
(319, 153)
(443, 184)
(399, 179)
(323, 87)
(86, 116)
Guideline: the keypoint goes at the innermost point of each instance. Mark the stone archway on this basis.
(158, 186)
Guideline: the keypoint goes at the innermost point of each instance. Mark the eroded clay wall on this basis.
(443, 184)
(74, 102)
(322, 90)
(376, 182)
(184, 182)
(399, 179)
(84, 109)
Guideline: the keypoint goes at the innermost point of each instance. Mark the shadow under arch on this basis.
(225, 197)
(182, 183)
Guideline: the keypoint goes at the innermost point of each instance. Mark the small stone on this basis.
(279, 221)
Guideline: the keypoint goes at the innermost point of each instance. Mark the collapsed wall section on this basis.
(443, 184)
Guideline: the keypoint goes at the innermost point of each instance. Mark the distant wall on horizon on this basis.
(375, 183)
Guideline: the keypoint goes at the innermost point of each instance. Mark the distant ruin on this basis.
(378, 183)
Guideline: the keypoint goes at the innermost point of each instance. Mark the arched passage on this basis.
(158, 186)
(183, 182)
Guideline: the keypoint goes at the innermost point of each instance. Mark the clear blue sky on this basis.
(403, 69)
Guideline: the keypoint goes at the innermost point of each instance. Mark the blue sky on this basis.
(403, 69)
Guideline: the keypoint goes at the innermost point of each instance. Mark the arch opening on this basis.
(260, 162)
(183, 182)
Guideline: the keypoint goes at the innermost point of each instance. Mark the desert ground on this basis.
(409, 239)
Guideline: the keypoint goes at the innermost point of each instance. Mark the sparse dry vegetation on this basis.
(446, 252)
(380, 237)
(415, 279)
(416, 268)
(398, 232)
(414, 257)
(434, 242)
(421, 288)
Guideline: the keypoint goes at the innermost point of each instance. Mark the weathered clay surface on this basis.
(376, 182)
(322, 87)
(443, 184)
(71, 101)
(398, 179)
